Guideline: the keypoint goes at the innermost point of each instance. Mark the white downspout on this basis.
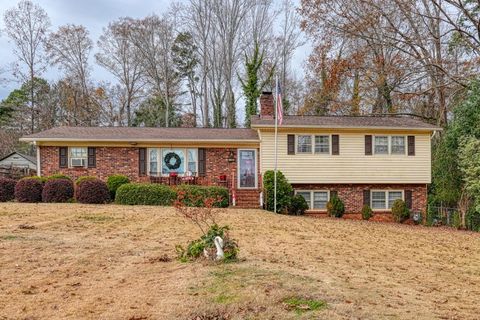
(39, 173)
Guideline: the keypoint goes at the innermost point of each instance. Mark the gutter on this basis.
(26, 139)
(346, 127)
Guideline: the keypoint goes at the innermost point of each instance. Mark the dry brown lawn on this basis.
(108, 262)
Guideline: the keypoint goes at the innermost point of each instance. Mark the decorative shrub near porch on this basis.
(29, 189)
(194, 196)
(92, 191)
(7, 189)
(145, 194)
(400, 211)
(335, 207)
(58, 190)
(284, 191)
(114, 182)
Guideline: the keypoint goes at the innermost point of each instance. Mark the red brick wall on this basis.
(352, 194)
(124, 160)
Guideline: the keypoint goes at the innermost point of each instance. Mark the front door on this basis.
(247, 169)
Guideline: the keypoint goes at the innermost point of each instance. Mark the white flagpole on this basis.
(276, 129)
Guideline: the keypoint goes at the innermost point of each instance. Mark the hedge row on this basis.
(87, 189)
(157, 194)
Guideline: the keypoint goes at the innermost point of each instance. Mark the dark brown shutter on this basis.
(63, 157)
(368, 145)
(92, 157)
(408, 198)
(411, 145)
(335, 144)
(290, 144)
(202, 162)
(333, 194)
(366, 197)
(142, 161)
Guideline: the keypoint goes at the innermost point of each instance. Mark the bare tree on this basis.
(69, 48)
(117, 55)
(154, 38)
(27, 25)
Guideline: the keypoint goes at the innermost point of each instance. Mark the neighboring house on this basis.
(364, 160)
(19, 160)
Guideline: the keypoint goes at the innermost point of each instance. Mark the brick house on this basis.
(364, 160)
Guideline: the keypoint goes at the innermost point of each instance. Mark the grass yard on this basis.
(74, 261)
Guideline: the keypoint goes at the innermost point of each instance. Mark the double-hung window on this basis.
(322, 144)
(384, 199)
(304, 144)
(381, 144)
(78, 156)
(398, 145)
(316, 200)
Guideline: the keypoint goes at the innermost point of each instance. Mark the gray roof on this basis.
(26, 157)
(371, 122)
(142, 134)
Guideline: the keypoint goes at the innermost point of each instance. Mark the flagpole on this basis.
(276, 131)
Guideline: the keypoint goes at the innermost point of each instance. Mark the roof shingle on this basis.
(373, 122)
(142, 134)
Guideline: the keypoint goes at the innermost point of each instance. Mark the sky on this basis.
(94, 15)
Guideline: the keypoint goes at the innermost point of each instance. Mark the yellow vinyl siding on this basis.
(352, 165)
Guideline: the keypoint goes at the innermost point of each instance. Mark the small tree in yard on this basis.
(335, 207)
(214, 238)
(400, 211)
(284, 191)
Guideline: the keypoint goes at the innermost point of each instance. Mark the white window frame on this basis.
(297, 145)
(386, 191)
(256, 169)
(310, 205)
(159, 151)
(70, 158)
(389, 145)
(329, 144)
(312, 144)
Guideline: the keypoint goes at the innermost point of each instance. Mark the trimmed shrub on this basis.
(335, 207)
(115, 181)
(145, 194)
(367, 212)
(194, 196)
(81, 179)
(284, 191)
(92, 191)
(29, 190)
(7, 189)
(400, 211)
(298, 205)
(58, 176)
(58, 190)
(41, 179)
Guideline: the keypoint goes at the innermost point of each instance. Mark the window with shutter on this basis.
(63, 157)
(408, 198)
(366, 197)
(335, 144)
(368, 145)
(202, 162)
(142, 161)
(291, 144)
(411, 145)
(92, 157)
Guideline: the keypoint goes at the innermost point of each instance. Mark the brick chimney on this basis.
(266, 105)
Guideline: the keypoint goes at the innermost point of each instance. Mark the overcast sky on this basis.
(94, 15)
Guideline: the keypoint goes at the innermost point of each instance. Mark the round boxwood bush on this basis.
(145, 194)
(92, 191)
(335, 207)
(367, 212)
(58, 176)
(284, 191)
(400, 211)
(81, 179)
(194, 196)
(29, 190)
(58, 190)
(115, 181)
(7, 189)
(298, 205)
